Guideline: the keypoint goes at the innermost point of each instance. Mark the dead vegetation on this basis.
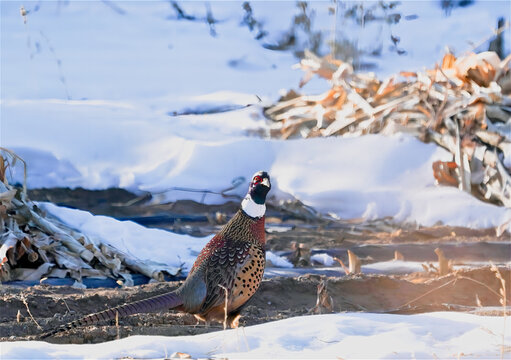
(463, 105)
(35, 246)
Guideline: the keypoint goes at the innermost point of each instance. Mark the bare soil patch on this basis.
(278, 298)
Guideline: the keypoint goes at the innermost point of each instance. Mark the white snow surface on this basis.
(371, 177)
(444, 335)
(87, 94)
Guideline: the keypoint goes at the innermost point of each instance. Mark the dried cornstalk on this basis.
(355, 265)
(398, 256)
(464, 105)
(444, 264)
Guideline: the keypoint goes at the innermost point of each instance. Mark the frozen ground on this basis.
(444, 335)
(92, 97)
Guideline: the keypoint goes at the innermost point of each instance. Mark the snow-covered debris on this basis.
(277, 261)
(323, 259)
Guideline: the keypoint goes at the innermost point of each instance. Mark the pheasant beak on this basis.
(266, 182)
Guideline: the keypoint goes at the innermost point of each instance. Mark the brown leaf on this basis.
(408, 74)
(448, 61)
(3, 167)
(180, 355)
(444, 173)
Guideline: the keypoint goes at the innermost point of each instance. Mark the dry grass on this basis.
(24, 299)
(8, 159)
(503, 301)
(117, 325)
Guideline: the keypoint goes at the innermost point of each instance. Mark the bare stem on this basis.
(28, 310)
(427, 293)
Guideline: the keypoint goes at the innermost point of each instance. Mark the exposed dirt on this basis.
(280, 297)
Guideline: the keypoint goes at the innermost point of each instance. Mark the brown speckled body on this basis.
(234, 259)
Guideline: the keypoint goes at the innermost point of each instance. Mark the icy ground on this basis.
(93, 95)
(444, 335)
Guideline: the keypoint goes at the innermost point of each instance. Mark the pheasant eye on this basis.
(257, 179)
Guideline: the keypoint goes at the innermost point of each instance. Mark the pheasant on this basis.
(232, 262)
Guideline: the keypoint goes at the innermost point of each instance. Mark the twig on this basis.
(427, 293)
(53, 292)
(235, 183)
(116, 8)
(29, 313)
(458, 277)
(245, 338)
(117, 324)
(344, 267)
(494, 33)
(17, 157)
(482, 284)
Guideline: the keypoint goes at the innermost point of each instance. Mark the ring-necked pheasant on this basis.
(233, 261)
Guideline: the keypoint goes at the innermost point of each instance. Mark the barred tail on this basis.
(165, 301)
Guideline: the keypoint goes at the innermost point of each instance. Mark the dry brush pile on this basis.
(35, 246)
(463, 105)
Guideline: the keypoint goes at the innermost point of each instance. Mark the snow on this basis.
(277, 261)
(323, 258)
(101, 105)
(393, 267)
(433, 32)
(165, 250)
(345, 335)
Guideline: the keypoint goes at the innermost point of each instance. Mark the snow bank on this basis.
(349, 335)
(371, 177)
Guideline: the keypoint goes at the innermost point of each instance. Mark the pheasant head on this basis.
(253, 203)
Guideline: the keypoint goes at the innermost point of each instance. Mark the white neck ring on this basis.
(251, 208)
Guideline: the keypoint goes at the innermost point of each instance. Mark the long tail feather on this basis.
(165, 301)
